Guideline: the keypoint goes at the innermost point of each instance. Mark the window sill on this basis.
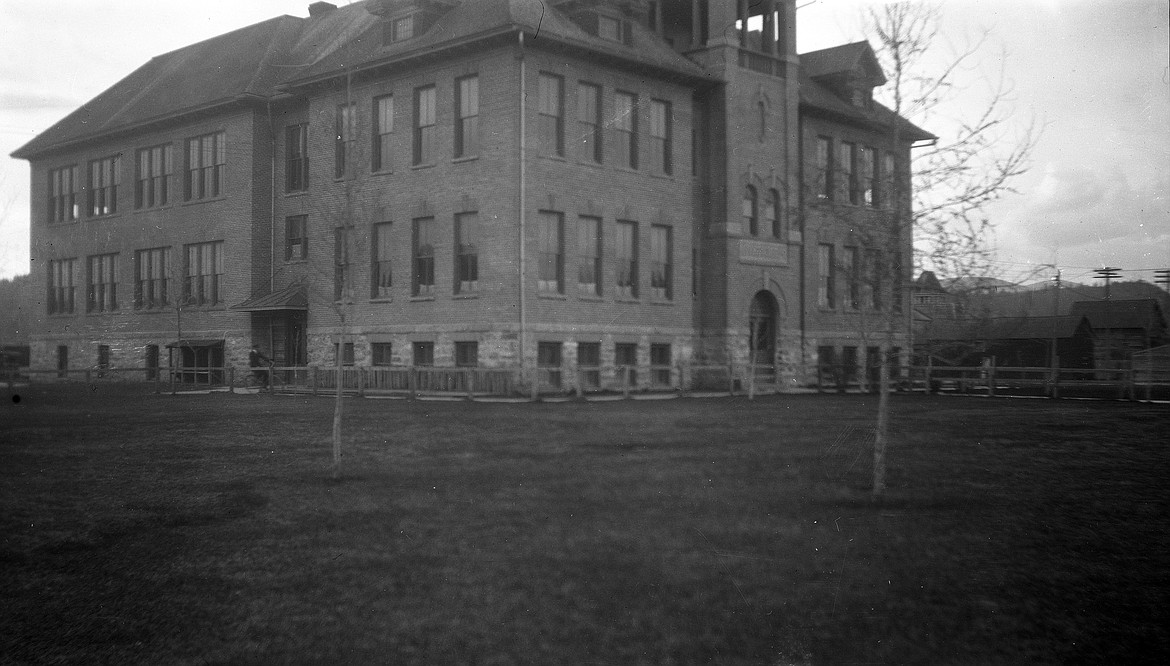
(151, 209)
(552, 297)
(195, 202)
(152, 311)
(296, 193)
(382, 172)
(464, 159)
(465, 296)
(293, 262)
(421, 299)
(629, 169)
(418, 167)
(382, 299)
(591, 298)
(101, 218)
(627, 299)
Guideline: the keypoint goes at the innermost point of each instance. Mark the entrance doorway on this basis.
(287, 339)
(762, 328)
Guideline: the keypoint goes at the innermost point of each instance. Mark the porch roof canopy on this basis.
(289, 298)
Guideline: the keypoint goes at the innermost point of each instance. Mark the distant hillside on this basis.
(16, 310)
(1040, 302)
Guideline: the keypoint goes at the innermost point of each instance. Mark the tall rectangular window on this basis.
(548, 359)
(346, 353)
(888, 176)
(381, 353)
(467, 116)
(873, 283)
(626, 259)
(296, 158)
(826, 285)
(203, 273)
(344, 140)
(552, 253)
(772, 213)
(625, 358)
(867, 176)
(424, 353)
(150, 282)
(847, 166)
(424, 125)
(589, 364)
(851, 267)
(466, 354)
(101, 294)
(102, 196)
(625, 125)
(380, 274)
(661, 263)
(423, 245)
(152, 176)
(63, 205)
(751, 213)
(660, 364)
(823, 173)
(296, 237)
(551, 114)
(466, 253)
(589, 122)
(383, 135)
(62, 286)
(589, 256)
(661, 130)
(206, 159)
(342, 264)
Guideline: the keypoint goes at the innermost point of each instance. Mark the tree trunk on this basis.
(337, 408)
(881, 432)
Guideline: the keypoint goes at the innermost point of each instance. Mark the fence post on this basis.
(682, 379)
(626, 382)
(411, 384)
(470, 383)
(580, 381)
(361, 370)
(535, 393)
(731, 378)
(313, 378)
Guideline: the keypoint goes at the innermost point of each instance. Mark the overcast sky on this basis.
(1093, 72)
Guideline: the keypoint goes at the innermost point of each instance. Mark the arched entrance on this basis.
(762, 327)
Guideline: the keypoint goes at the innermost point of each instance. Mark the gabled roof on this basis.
(262, 60)
(472, 19)
(213, 72)
(856, 60)
(819, 68)
(1004, 328)
(1143, 313)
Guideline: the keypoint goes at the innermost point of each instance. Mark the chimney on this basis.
(320, 9)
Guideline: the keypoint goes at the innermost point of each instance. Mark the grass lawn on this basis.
(206, 529)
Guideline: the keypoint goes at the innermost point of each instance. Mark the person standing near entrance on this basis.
(257, 359)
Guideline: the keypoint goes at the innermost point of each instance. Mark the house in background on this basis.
(1020, 342)
(578, 184)
(1123, 327)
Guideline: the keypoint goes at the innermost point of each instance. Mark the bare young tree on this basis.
(980, 152)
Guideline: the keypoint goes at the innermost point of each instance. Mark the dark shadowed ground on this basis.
(206, 529)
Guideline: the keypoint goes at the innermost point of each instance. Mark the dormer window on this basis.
(399, 29)
(609, 28)
(861, 98)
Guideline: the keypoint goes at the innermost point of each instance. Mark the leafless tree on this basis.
(981, 150)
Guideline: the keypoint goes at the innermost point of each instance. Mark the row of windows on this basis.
(587, 238)
(852, 174)
(623, 124)
(549, 357)
(203, 177)
(202, 278)
(864, 275)
(590, 136)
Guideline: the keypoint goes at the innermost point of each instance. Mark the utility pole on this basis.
(1107, 273)
(1053, 360)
